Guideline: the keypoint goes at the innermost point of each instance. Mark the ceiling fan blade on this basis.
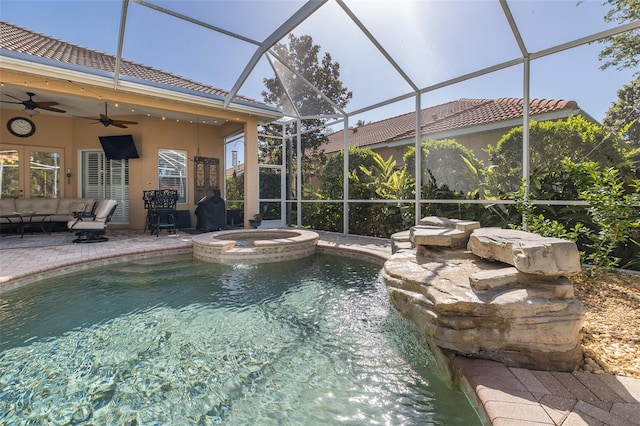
(18, 99)
(50, 108)
(30, 104)
(106, 121)
(95, 120)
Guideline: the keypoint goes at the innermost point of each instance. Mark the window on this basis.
(9, 173)
(44, 174)
(172, 171)
(30, 172)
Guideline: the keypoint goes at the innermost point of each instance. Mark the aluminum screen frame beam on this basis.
(296, 19)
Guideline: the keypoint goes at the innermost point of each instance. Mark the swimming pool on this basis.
(310, 341)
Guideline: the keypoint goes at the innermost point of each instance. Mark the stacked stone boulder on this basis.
(490, 293)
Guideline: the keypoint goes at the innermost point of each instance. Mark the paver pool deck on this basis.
(503, 395)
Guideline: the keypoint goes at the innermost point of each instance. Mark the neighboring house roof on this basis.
(17, 40)
(449, 118)
(239, 170)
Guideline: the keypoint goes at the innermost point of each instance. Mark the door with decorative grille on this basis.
(206, 174)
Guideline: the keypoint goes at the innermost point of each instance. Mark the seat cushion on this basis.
(98, 222)
(86, 225)
(104, 208)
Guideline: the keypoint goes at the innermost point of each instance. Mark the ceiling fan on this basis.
(106, 121)
(30, 105)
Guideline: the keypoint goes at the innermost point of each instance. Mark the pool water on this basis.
(184, 342)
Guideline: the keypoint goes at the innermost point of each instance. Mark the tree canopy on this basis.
(622, 50)
(296, 96)
(331, 175)
(550, 142)
(623, 118)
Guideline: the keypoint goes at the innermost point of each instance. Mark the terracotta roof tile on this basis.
(459, 114)
(21, 40)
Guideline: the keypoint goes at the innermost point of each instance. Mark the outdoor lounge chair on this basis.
(91, 228)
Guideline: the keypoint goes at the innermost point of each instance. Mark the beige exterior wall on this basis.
(478, 142)
(71, 135)
(397, 152)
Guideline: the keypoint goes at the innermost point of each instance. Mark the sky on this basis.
(430, 41)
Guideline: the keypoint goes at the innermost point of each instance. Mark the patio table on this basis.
(24, 220)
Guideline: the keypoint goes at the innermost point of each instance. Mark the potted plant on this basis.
(256, 220)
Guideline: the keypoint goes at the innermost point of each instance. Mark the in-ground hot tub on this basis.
(254, 245)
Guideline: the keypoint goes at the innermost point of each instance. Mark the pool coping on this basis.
(268, 245)
(501, 395)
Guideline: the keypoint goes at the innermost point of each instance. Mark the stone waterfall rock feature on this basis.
(528, 252)
(505, 298)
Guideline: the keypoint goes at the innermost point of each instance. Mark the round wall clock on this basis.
(21, 127)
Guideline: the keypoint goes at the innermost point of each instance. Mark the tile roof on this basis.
(21, 40)
(239, 170)
(459, 114)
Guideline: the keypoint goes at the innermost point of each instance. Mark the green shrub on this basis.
(550, 142)
(447, 166)
(607, 234)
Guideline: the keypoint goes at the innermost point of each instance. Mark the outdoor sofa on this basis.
(60, 210)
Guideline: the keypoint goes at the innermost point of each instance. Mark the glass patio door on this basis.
(30, 171)
(272, 187)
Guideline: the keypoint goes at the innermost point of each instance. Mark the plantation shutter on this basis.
(102, 179)
(118, 189)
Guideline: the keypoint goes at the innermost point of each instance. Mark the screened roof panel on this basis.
(577, 76)
(254, 84)
(427, 43)
(200, 56)
(434, 41)
(381, 113)
(302, 97)
(505, 83)
(254, 19)
(363, 69)
(544, 24)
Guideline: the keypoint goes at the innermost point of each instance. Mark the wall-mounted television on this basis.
(119, 147)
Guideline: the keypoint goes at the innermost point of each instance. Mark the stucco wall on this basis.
(476, 142)
(71, 135)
